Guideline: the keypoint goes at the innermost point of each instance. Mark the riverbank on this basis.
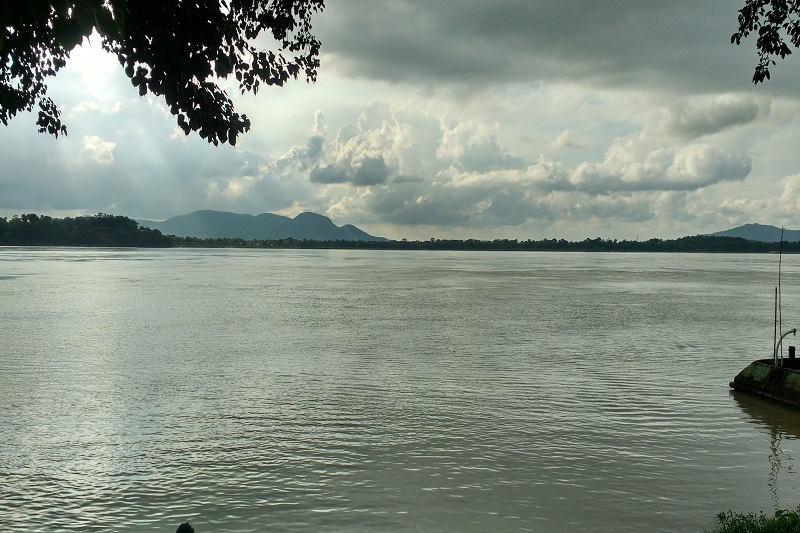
(103, 230)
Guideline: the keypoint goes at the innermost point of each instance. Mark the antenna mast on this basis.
(780, 263)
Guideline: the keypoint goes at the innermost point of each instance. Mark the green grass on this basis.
(781, 522)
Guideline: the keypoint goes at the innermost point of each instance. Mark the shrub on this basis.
(781, 522)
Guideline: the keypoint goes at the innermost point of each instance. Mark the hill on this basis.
(761, 233)
(266, 226)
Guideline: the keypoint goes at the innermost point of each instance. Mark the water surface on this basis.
(256, 390)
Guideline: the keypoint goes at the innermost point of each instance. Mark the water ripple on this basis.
(248, 392)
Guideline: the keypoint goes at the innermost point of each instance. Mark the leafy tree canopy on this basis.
(777, 24)
(177, 49)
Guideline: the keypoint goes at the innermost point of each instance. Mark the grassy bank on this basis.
(780, 522)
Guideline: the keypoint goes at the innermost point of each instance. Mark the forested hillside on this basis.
(97, 230)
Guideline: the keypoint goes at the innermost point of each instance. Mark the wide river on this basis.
(261, 390)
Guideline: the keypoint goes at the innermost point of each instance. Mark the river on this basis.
(378, 391)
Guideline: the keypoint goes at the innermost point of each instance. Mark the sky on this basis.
(501, 119)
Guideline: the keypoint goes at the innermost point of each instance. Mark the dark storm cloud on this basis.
(369, 170)
(417, 205)
(364, 170)
(691, 121)
(328, 174)
(414, 204)
(681, 43)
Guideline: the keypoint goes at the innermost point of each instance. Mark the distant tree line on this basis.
(97, 230)
(699, 243)
(110, 230)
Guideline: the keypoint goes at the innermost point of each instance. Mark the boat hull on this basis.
(778, 383)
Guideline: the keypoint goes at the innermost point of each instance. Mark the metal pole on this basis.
(775, 332)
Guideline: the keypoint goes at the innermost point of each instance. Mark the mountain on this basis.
(266, 226)
(760, 232)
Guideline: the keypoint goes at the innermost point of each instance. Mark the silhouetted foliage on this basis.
(777, 23)
(171, 48)
(98, 230)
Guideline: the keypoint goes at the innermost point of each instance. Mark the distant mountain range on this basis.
(760, 232)
(266, 226)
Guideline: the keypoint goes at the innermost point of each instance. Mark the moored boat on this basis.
(776, 378)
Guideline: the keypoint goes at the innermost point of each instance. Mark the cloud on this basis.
(474, 149)
(789, 199)
(707, 118)
(346, 132)
(685, 168)
(90, 106)
(473, 181)
(453, 118)
(564, 140)
(314, 147)
(96, 150)
(328, 174)
(369, 169)
(361, 170)
(374, 115)
(476, 43)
